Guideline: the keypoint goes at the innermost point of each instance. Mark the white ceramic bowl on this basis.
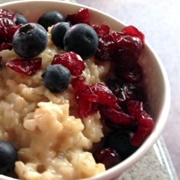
(155, 77)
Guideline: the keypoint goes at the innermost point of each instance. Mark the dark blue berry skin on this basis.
(8, 157)
(56, 78)
(81, 39)
(57, 33)
(30, 40)
(20, 19)
(120, 141)
(50, 18)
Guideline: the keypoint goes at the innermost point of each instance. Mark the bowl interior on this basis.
(156, 81)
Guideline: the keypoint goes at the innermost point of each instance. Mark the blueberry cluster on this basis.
(31, 39)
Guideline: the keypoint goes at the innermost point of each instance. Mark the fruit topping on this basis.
(20, 19)
(120, 140)
(83, 16)
(56, 78)
(129, 48)
(90, 97)
(70, 60)
(133, 31)
(106, 48)
(145, 122)
(50, 18)
(8, 157)
(118, 118)
(57, 33)
(109, 157)
(103, 94)
(4, 46)
(78, 83)
(30, 40)
(102, 30)
(126, 91)
(23, 66)
(130, 73)
(7, 25)
(4, 13)
(81, 39)
(117, 46)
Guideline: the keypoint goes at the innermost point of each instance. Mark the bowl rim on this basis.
(163, 115)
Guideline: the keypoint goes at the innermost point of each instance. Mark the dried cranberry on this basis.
(129, 48)
(102, 30)
(106, 48)
(11, 30)
(7, 25)
(6, 22)
(78, 83)
(83, 16)
(133, 31)
(104, 94)
(108, 156)
(118, 117)
(84, 108)
(4, 13)
(23, 66)
(117, 36)
(72, 61)
(84, 97)
(4, 46)
(130, 72)
(90, 97)
(85, 100)
(118, 45)
(7, 31)
(145, 122)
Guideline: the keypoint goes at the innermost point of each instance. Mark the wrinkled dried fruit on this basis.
(108, 156)
(145, 122)
(82, 16)
(70, 60)
(133, 31)
(102, 30)
(23, 66)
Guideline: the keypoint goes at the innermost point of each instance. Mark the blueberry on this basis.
(20, 19)
(81, 39)
(57, 33)
(8, 157)
(30, 40)
(56, 78)
(50, 18)
(120, 141)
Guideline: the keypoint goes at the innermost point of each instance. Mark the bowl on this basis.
(156, 81)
